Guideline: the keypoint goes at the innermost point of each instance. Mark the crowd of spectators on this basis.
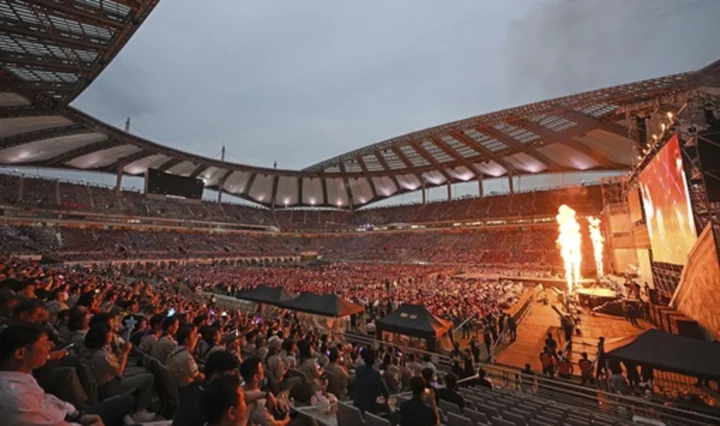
(531, 248)
(379, 288)
(585, 200)
(41, 193)
(91, 347)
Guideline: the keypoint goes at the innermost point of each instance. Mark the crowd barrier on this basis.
(554, 391)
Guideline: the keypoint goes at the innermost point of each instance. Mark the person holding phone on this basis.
(109, 371)
(421, 409)
(24, 348)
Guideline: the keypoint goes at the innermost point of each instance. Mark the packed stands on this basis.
(585, 200)
(101, 310)
(73, 196)
(303, 219)
(532, 247)
(39, 193)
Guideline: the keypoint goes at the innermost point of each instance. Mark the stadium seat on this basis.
(458, 420)
(347, 415)
(477, 417)
(373, 420)
(449, 407)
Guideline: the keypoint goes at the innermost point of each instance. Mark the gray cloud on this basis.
(560, 47)
(298, 82)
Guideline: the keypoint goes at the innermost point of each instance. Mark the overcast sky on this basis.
(298, 82)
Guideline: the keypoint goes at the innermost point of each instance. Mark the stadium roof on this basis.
(51, 50)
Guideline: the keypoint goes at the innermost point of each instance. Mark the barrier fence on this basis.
(551, 391)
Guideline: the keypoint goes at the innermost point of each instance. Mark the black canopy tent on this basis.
(327, 305)
(414, 321)
(267, 295)
(668, 352)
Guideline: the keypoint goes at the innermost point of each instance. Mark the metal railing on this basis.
(557, 392)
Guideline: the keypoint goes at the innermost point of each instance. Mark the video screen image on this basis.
(667, 207)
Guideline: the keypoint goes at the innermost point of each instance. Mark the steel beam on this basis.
(246, 190)
(346, 182)
(520, 147)
(80, 12)
(426, 155)
(44, 88)
(300, 190)
(79, 152)
(477, 146)
(549, 136)
(389, 172)
(120, 163)
(45, 63)
(24, 111)
(169, 164)
(39, 135)
(592, 122)
(16, 28)
(199, 169)
(451, 152)
(326, 196)
(273, 190)
(364, 169)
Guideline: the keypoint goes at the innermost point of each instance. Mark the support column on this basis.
(424, 195)
(449, 191)
(480, 187)
(642, 136)
(220, 196)
(511, 184)
(118, 180)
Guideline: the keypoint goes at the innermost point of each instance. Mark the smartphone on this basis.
(68, 347)
(171, 312)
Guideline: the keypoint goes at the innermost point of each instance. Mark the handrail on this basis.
(554, 391)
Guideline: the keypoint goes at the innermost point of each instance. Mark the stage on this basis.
(546, 282)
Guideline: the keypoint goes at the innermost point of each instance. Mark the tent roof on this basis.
(414, 320)
(328, 305)
(266, 294)
(668, 352)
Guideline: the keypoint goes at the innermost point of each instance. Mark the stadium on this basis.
(579, 304)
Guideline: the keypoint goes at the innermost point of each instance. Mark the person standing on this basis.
(369, 384)
(512, 327)
(421, 409)
(586, 370)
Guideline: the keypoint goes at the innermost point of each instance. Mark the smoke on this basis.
(598, 243)
(561, 47)
(570, 242)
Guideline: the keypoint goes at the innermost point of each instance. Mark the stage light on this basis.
(670, 115)
(655, 138)
(662, 126)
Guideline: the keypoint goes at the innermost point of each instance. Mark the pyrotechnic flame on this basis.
(598, 243)
(570, 243)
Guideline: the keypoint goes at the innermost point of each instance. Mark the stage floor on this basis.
(542, 319)
(544, 281)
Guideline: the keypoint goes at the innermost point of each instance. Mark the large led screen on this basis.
(667, 206)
